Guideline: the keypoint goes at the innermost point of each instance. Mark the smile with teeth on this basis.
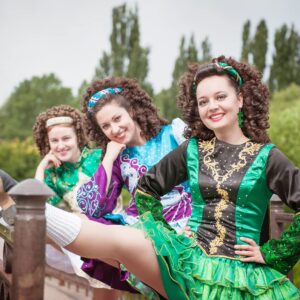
(216, 117)
(121, 135)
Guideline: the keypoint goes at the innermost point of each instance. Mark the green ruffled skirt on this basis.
(188, 273)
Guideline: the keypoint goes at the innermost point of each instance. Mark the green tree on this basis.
(126, 56)
(246, 42)
(285, 67)
(31, 97)
(19, 158)
(259, 46)
(205, 51)
(284, 121)
(166, 99)
(191, 52)
(80, 93)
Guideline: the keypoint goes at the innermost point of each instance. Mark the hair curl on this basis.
(255, 99)
(133, 98)
(40, 132)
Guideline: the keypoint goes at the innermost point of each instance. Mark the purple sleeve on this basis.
(92, 197)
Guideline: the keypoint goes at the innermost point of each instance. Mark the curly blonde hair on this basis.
(133, 98)
(40, 132)
(255, 99)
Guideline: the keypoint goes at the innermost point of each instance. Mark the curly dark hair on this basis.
(133, 98)
(255, 99)
(40, 132)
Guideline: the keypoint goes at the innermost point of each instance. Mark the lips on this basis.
(63, 153)
(216, 117)
(120, 135)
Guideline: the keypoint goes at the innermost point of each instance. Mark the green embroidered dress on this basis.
(65, 182)
(68, 177)
(231, 189)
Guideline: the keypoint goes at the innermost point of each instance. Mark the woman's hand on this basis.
(113, 149)
(47, 162)
(250, 252)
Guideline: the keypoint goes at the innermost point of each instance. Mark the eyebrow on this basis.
(203, 97)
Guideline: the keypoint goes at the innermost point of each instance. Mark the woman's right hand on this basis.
(113, 149)
(47, 162)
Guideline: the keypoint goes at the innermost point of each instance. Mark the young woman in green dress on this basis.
(67, 163)
(233, 170)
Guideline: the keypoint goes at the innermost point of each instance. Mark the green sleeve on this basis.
(284, 253)
(53, 200)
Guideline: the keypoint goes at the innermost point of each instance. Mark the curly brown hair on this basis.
(40, 132)
(255, 99)
(133, 98)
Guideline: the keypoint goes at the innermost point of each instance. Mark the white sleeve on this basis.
(178, 127)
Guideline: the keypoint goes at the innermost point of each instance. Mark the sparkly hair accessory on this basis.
(228, 69)
(231, 71)
(59, 120)
(99, 95)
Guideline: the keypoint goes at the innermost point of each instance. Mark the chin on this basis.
(64, 159)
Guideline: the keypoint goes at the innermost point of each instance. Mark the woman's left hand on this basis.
(250, 252)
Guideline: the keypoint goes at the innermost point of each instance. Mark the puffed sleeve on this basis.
(160, 180)
(92, 196)
(178, 127)
(283, 179)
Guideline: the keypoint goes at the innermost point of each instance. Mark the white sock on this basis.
(62, 227)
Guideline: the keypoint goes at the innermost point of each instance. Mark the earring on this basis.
(240, 118)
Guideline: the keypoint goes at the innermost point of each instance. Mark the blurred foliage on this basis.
(19, 158)
(166, 99)
(30, 98)
(296, 274)
(125, 197)
(285, 122)
(254, 49)
(285, 68)
(259, 46)
(126, 57)
(246, 41)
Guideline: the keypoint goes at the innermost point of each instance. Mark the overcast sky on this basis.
(67, 37)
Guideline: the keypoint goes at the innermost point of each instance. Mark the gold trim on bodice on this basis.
(208, 147)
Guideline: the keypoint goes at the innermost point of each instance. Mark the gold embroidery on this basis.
(213, 166)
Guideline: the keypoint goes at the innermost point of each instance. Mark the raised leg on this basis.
(121, 243)
(90, 239)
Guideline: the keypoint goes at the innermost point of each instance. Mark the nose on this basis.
(213, 104)
(60, 145)
(114, 129)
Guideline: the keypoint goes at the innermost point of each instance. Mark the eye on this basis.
(117, 118)
(66, 138)
(202, 102)
(105, 127)
(221, 97)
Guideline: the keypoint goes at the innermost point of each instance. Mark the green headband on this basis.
(228, 69)
(231, 71)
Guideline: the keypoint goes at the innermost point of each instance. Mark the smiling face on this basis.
(63, 143)
(118, 125)
(218, 104)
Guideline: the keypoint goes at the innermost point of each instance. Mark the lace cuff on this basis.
(284, 253)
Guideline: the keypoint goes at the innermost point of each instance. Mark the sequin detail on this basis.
(212, 165)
